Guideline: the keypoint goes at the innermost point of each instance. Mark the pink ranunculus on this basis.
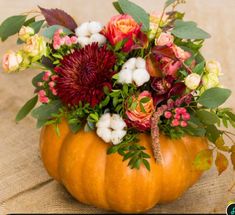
(180, 53)
(122, 27)
(137, 117)
(11, 61)
(165, 39)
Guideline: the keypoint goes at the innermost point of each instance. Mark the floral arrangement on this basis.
(139, 73)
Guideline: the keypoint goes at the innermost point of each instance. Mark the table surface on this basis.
(25, 185)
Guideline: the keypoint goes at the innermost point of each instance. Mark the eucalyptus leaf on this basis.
(36, 25)
(214, 97)
(207, 117)
(37, 79)
(117, 7)
(24, 111)
(138, 13)
(11, 26)
(188, 30)
(49, 32)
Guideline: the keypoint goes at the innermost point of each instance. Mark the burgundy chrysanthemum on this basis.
(84, 74)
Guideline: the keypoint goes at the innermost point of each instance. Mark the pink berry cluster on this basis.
(179, 117)
(48, 81)
(60, 39)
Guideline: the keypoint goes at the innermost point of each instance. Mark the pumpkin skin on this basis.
(79, 161)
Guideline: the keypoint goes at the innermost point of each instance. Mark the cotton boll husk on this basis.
(140, 63)
(94, 27)
(117, 135)
(104, 121)
(82, 30)
(130, 64)
(125, 76)
(117, 123)
(101, 39)
(83, 41)
(105, 134)
(140, 76)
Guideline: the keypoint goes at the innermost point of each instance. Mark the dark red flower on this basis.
(84, 74)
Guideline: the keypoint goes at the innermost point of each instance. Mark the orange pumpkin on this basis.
(79, 161)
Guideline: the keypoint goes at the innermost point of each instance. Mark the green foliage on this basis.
(214, 97)
(36, 25)
(188, 30)
(138, 13)
(132, 151)
(117, 7)
(25, 110)
(199, 68)
(49, 32)
(11, 26)
(45, 112)
(226, 116)
(169, 2)
(208, 118)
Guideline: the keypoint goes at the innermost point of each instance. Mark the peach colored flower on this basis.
(165, 39)
(138, 117)
(122, 27)
(11, 61)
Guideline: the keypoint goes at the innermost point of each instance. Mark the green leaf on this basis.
(37, 78)
(146, 164)
(199, 68)
(212, 133)
(214, 97)
(24, 111)
(221, 163)
(207, 117)
(45, 111)
(145, 100)
(169, 2)
(138, 13)
(203, 160)
(29, 21)
(117, 7)
(188, 30)
(142, 108)
(49, 32)
(11, 26)
(112, 149)
(36, 26)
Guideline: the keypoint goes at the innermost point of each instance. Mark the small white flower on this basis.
(125, 76)
(134, 71)
(82, 30)
(140, 76)
(192, 81)
(89, 32)
(94, 27)
(117, 136)
(111, 128)
(117, 122)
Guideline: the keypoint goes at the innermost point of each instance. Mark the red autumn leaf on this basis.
(164, 51)
(153, 66)
(58, 17)
(221, 162)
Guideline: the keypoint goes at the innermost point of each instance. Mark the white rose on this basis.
(25, 32)
(213, 66)
(192, 81)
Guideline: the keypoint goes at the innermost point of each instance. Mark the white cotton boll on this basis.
(130, 64)
(94, 27)
(140, 76)
(125, 76)
(117, 136)
(82, 30)
(83, 41)
(101, 39)
(105, 134)
(104, 121)
(117, 123)
(140, 63)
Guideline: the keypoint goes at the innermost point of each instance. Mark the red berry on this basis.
(184, 124)
(177, 116)
(175, 122)
(186, 116)
(168, 114)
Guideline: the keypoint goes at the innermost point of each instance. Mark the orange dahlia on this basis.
(84, 74)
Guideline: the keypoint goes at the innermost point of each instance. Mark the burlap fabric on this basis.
(24, 184)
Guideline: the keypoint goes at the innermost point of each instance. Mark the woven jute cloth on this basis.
(25, 186)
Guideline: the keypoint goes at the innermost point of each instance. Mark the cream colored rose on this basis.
(210, 80)
(35, 46)
(213, 66)
(192, 81)
(11, 61)
(25, 32)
